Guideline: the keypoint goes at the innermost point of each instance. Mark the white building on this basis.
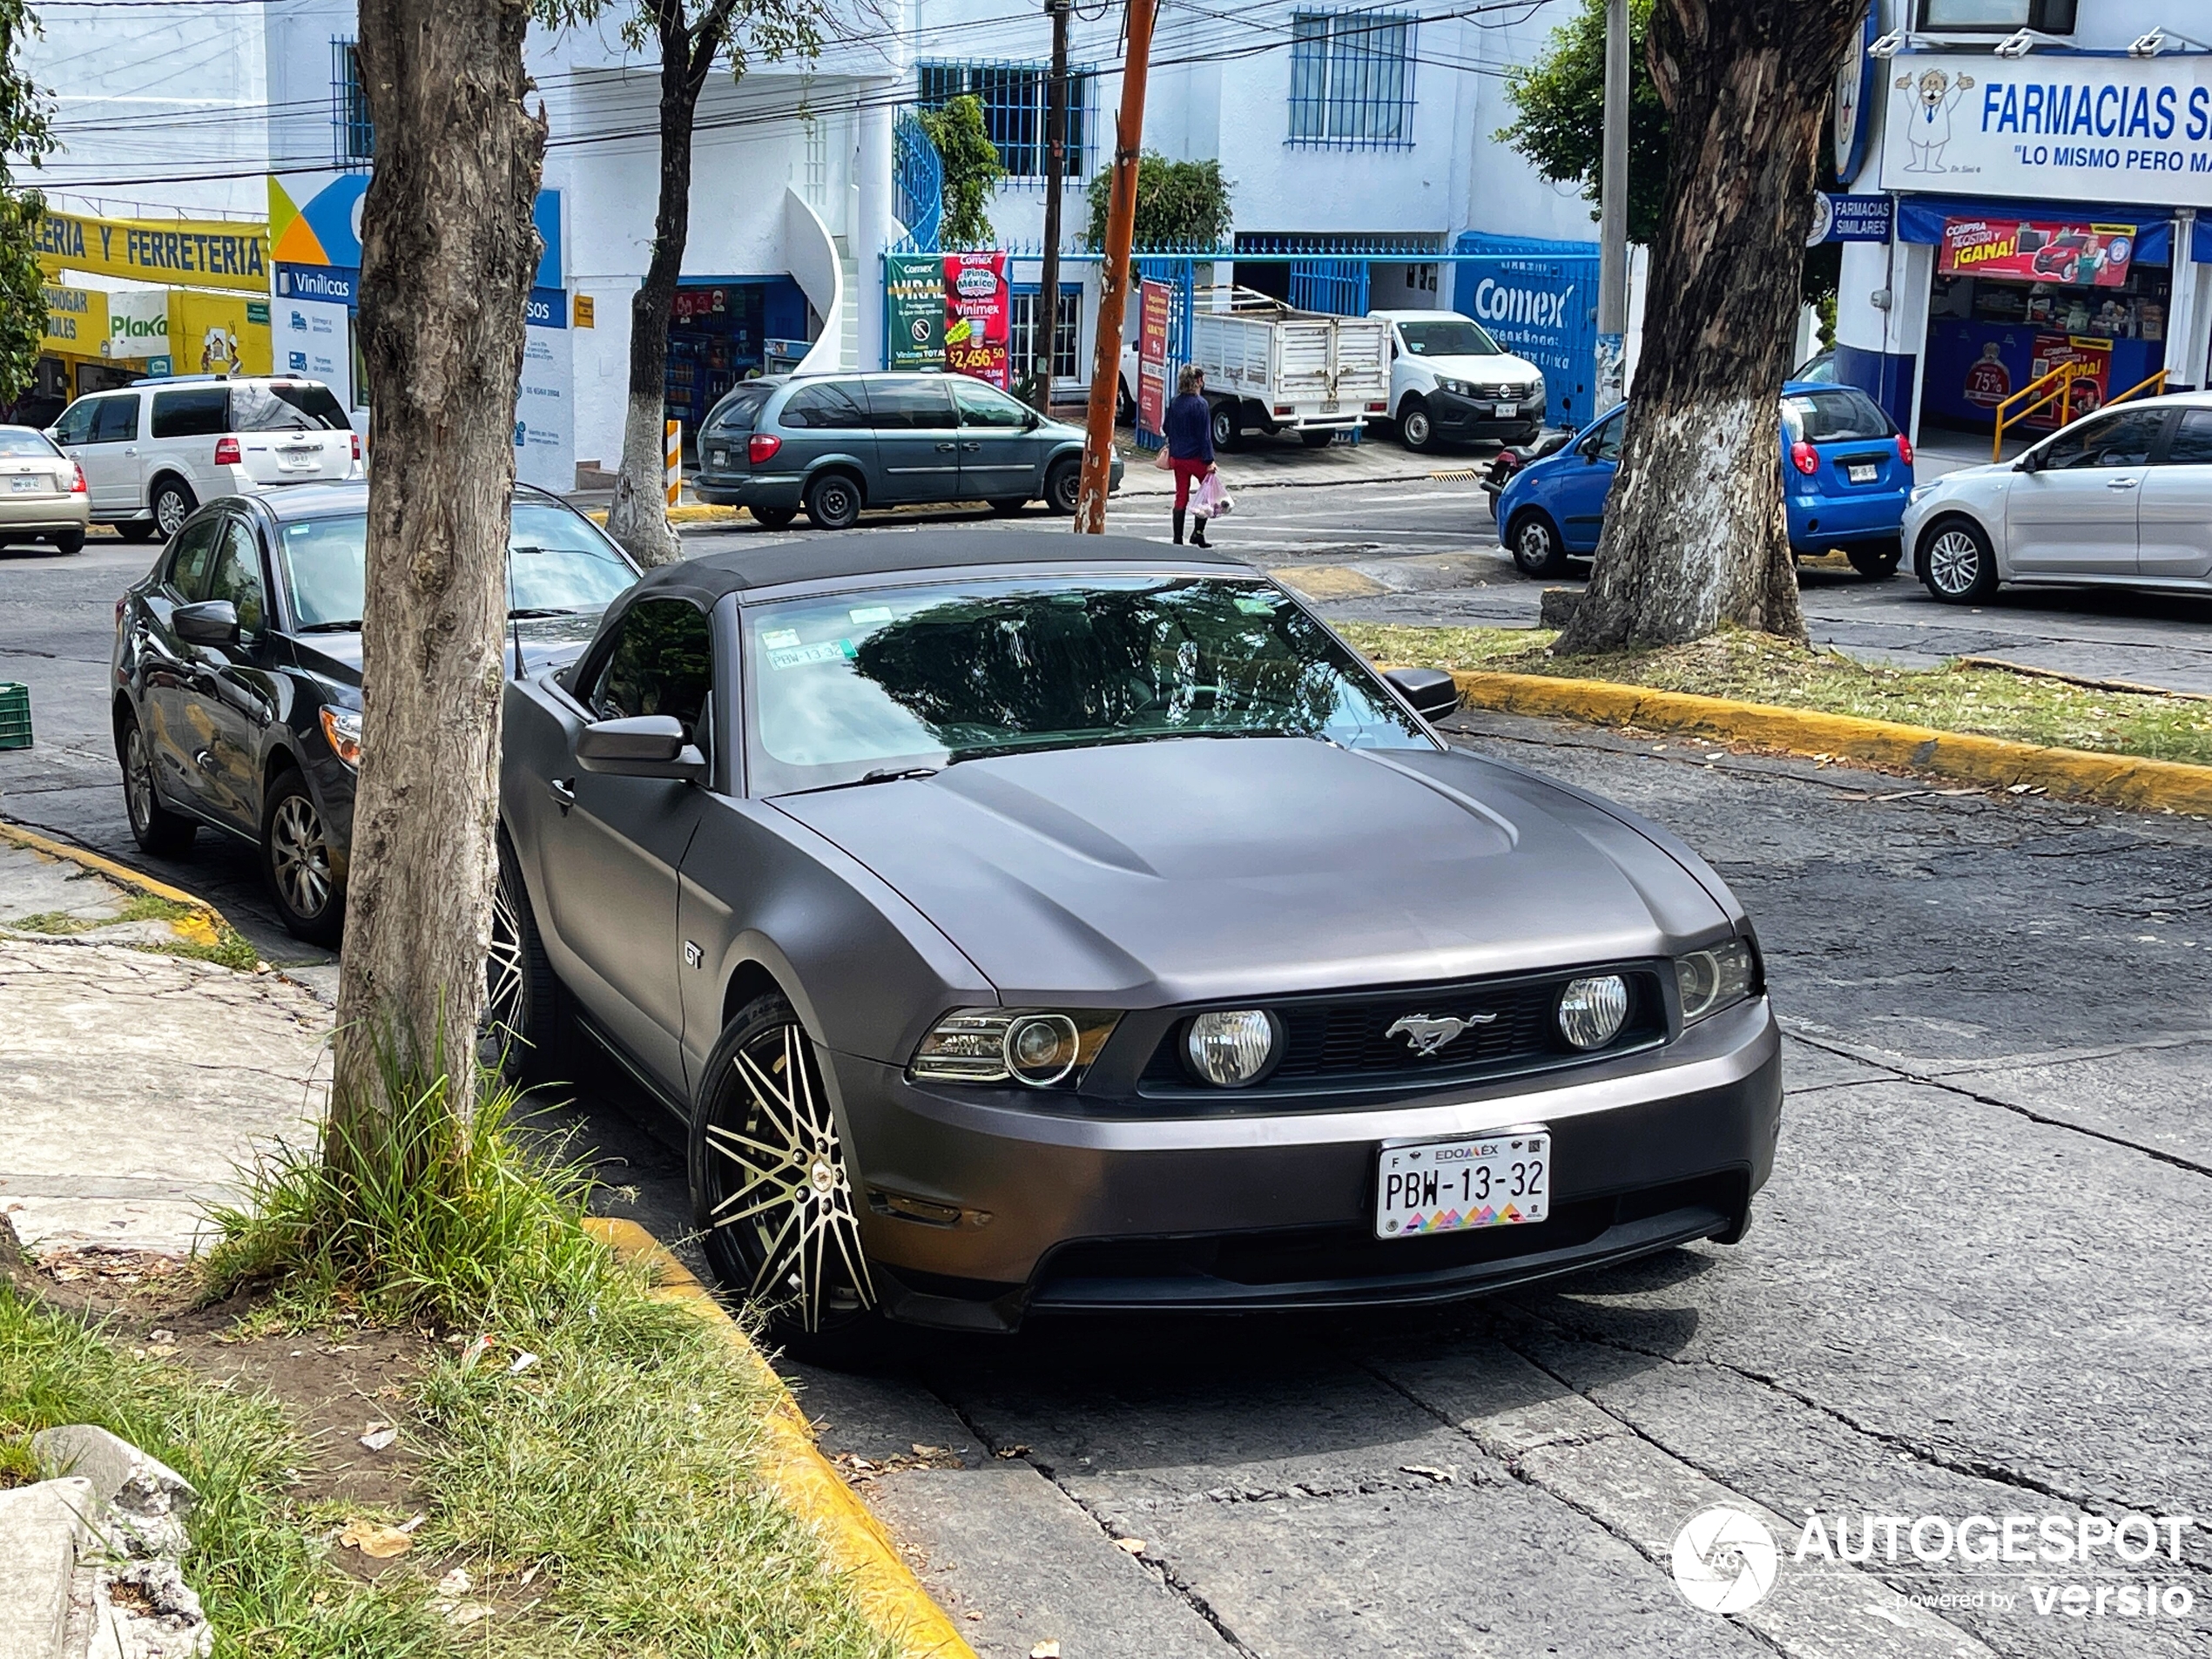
(2040, 183)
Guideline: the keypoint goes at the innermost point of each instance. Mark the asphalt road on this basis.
(1974, 1287)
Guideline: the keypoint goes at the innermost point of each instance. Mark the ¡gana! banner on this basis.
(978, 314)
(2019, 251)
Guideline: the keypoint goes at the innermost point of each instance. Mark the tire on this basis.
(155, 829)
(1956, 561)
(833, 501)
(69, 542)
(1535, 541)
(1228, 430)
(1527, 435)
(1006, 506)
(1062, 483)
(526, 1031)
(1876, 560)
(138, 529)
(297, 865)
(172, 504)
(1415, 429)
(774, 518)
(1318, 437)
(1124, 405)
(767, 1175)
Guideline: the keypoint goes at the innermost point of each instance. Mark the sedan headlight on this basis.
(1717, 977)
(1037, 1048)
(342, 727)
(1917, 491)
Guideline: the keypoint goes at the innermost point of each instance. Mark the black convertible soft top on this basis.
(835, 557)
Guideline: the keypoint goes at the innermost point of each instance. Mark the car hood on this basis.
(1484, 371)
(1192, 869)
(1962, 475)
(547, 642)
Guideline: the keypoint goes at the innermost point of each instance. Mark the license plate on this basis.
(297, 460)
(1329, 408)
(1499, 1180)
(1863, 475)
(1503, 409)
(23, 485)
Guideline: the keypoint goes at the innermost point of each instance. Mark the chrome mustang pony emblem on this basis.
(1425, 1035)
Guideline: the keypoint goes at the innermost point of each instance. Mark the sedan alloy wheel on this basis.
(296, 856)
(1956, 562)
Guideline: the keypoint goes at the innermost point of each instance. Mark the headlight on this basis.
(1592, 1011)
(342, 727)
(1918, 491)
(1713, 979)
(1229, 1049)
(1458, 388)
(1038, 1048)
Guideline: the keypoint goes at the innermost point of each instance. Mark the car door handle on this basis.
(971, 448)
(946, 449)
(563, 793)
(2122, 483)
(132, 450)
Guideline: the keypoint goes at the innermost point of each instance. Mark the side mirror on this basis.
(649, 745)
(211, 622)
(1433, 692)
(1032, 421)
(2026, 463)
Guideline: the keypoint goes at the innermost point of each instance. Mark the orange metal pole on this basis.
(1121, 230)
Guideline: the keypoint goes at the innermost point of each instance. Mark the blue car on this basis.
(1846, 471)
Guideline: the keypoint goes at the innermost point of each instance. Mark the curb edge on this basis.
(2138, 784)
(890, 1595)
(207, 922)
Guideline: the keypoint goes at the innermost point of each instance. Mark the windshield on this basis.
(1448, 337)
(17, 441)
(1845, 416)
(905, 678)
(559, 564)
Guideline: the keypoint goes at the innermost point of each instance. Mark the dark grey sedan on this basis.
(1022, 924)
(835, 445)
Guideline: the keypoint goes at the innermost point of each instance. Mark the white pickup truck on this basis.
(1272, 368)
(1450, 379)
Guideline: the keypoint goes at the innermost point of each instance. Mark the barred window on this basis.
(354, 135)
(1351, 80)
(1013, 96)
(1021, 333)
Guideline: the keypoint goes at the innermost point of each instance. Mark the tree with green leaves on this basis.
(25, 136)
(689, 38)
(1179, 204)
(971, 169)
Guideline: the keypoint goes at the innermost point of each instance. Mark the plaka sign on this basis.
(2094, 256)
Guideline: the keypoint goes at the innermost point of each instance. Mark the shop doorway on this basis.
(722, 331)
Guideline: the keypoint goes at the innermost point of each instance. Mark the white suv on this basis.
(154, 450)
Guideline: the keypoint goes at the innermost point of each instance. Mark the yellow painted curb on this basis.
(888, 1593)
(689, 513)
(2118, 780)
(203, 927)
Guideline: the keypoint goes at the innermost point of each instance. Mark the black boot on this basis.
(1178, 527)
(1199, 532)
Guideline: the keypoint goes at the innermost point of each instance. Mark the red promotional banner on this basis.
(978, 313)
(2085, 394)
(2022, 251)
(1152, 302)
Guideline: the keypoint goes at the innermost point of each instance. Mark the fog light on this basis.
(1591, 1010)
(1231, 1049)
(1040, 1049)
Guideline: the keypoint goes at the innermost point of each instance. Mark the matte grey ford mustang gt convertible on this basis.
(1025, 923)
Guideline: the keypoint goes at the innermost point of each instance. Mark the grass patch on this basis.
(215, 941)
(1754, 668)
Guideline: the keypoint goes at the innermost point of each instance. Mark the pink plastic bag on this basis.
(1212, 500)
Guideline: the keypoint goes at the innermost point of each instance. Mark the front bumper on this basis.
(1453, 416)
(1065, 1210)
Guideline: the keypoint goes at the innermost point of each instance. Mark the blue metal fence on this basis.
(1538, 299)
(1337, 286)
(918, 182)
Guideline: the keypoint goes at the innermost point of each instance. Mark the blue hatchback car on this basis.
(1846, 471)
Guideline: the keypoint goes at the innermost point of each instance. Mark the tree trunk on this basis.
(638, 518)
(448, 254)
(1694, 534)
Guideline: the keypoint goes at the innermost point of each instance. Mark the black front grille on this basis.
(1343, 1041)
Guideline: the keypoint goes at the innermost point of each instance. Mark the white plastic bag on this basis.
(1213, 500)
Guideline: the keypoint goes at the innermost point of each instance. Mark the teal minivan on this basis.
(836, 444)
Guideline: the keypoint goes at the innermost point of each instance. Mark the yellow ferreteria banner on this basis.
(230, 253)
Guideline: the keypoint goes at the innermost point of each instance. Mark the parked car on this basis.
(237, 685)
(1820, 367)
(2122, 497)
(1845, 473)
(1449, 379)
(43, 498)
(154, 451)
(836, 444)
(1019, 924)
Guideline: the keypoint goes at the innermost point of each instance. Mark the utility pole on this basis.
(1113, 292)
(1613, 214)
(1046, 320)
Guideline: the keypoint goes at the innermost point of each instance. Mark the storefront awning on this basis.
(1919, 218)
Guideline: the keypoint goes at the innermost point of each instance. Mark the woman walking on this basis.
(1190, 435)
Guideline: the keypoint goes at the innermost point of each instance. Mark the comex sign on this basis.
(1540, 311)
(1496, 303)
(2098, 129)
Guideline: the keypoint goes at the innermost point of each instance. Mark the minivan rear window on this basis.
(1844, 415)
(286, 406)
(199, 413)
(741, 410)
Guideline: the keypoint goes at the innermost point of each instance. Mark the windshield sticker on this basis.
(776, 639)
(1256, 606)
(866, 615)
(830, 650)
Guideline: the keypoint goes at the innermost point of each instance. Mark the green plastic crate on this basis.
(15, 715)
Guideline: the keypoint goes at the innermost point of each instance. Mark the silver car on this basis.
(42, 492)
(2121, 497)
